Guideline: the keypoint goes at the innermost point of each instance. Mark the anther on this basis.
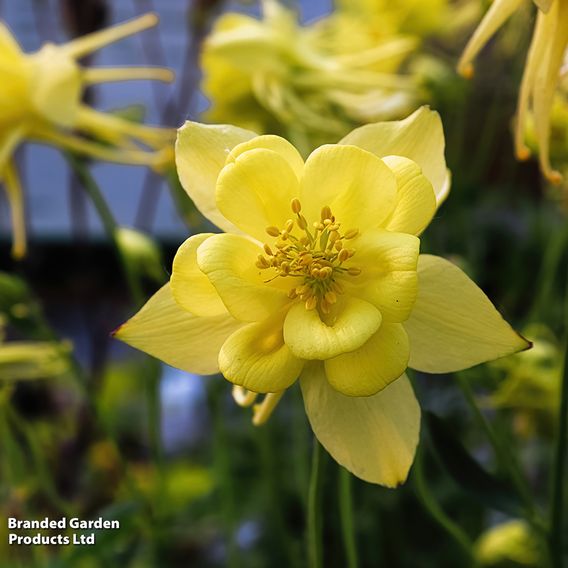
(289, 225)
(343, 255)
(268, 250)
(325, 213)
(296, 205)
(351, 233)
(311, 303)
(273, 231)
(330, 297)
(354, 271)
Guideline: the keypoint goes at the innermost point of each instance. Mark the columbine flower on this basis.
(318, 277)
(542, 70)
(312, 84)
(40, 100)
(510, 543)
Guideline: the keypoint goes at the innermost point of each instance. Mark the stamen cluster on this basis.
(316, 257)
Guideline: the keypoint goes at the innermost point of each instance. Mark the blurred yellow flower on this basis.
(531, 384)
(318, 277)
(543, 69)
(26, 360)
(310, 84)
(508, 544)
(41, 100)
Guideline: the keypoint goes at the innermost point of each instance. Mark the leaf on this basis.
(494, 492)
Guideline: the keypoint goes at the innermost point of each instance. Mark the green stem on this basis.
(88, 182)
(558, 477)
(346, 515)
(315, 559)
(505, 457)
(436, 512)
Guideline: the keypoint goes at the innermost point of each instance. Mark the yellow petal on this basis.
(191, 288)
(419, 137)
(255, 190)
(351, 323)
(56, 86)
(372, 367)
(454, 325)
(257, 358)
(9, 48)
(498, 13)
(201, 151)
(388, 278)
(374, 437)
(416, 202)
(359, 188)
(229, 263)
(275, 143)
(166, 331)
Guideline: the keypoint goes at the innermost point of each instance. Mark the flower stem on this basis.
(88, 182)
(558, 476)
(346, 515)
(436, 512)
(505, 457)
(315, 554)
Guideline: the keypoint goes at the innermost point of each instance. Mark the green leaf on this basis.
(492, 491)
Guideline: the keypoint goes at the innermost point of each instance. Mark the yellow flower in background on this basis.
(509, 544)
(318, 277)
(27, 360)
(542, 73)
(41, 101)
(311, 84)
(531, 384)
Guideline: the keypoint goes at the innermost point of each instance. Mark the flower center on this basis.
(315, 256)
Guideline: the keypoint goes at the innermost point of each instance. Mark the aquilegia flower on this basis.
(542, 73)
(313, 83)
(318, 277)
(41, 100)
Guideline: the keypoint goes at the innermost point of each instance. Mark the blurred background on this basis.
(95, 429)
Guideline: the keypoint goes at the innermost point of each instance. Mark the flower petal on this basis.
(191, 288)
(359, 188)
(374, 437)
(201, 151)
(373, 366)
(351, 323)
(229, 263)
(257, 358)
(416, 201)
(254, 191)
(166, 331)
(388, 277)
(454, 325)
(419, 137)
(275, 143)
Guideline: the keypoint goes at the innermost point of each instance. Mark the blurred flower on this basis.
(318, 277)
(141, 253)
(542, 73)
(41, 100)
(531, 385)
(24, 360)
(510, 542)
(311, 84)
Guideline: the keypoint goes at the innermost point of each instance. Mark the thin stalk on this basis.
(436, 512)
(315, 502)
(346, 515)
(505, 457)
(557, 533)
(88, 182)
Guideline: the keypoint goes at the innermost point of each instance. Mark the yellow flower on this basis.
(41, 100)
(311, 84)
(542, 70)
(26, 360)
(510, 543)
(531, 384)
(318, 277)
